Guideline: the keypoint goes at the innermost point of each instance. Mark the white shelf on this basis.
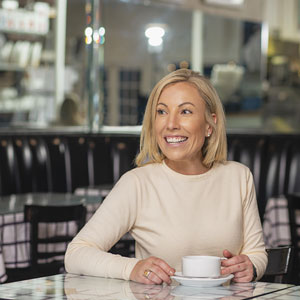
(23, 22)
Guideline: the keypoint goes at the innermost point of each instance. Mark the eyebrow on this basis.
(182, 104)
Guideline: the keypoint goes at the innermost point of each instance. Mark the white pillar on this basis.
(264, 50)
(60, 43)
(197, 41)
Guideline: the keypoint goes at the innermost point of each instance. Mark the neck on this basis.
(187, 167)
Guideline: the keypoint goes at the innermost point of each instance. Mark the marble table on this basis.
(70, 286)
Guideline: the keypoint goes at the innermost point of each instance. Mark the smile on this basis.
(175, 139)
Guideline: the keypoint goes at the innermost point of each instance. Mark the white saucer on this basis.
(200, 281)
(192, 292)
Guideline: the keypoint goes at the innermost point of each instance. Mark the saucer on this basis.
(193, 292)
(201, 281)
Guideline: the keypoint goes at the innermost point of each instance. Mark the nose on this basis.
(173, 122)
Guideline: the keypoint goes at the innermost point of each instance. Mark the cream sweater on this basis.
(171, 215)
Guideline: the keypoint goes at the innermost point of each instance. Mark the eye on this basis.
(186, 111)
(160, 111)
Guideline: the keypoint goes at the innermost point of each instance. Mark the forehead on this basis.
(180, 91)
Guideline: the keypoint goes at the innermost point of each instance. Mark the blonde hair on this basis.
(214, 148)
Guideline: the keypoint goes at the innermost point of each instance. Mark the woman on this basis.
(183, 199)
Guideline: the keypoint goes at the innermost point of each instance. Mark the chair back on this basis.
(279, 268)
(294, 218)
(52, 242)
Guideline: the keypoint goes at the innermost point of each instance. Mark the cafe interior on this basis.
(75, 77)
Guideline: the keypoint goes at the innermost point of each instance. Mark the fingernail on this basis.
(171, 272)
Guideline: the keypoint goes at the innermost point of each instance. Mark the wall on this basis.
(251, 10)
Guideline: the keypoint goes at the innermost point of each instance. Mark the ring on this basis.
(147, 296)
(147, 273)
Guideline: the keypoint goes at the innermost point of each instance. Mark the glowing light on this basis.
(154, 32)
(102, 31)
(183, 64)
(88, 40)
(102, 40)
(88, 8)
(171, 67)
(88, 31)
(88, 20)
(155, 41)
(96, 37)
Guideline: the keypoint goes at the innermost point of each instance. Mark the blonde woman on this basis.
(183, 198)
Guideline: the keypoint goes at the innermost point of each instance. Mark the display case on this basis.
(25, 45)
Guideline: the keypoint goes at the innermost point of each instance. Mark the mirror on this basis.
(227, 51)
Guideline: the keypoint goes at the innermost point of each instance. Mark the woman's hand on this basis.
(152, 270)
(239, 265)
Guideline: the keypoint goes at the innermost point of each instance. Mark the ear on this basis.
(209, 129)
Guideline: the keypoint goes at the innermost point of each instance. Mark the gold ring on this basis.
(147, 296)
(147, 273)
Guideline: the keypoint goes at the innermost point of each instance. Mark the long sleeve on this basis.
(253, 237)
(87, 253)
(171, 215)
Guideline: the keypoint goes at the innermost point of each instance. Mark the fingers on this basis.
(239, 265)
(152, 271)
(244, 276)
(227, 254)
(160, 271)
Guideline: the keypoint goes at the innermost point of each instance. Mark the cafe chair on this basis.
(47, 249)
(294, 218)
(279, 268)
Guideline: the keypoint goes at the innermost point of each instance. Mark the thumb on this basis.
(227, 254)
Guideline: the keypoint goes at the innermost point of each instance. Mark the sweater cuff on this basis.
(259, 265)
(129, 267)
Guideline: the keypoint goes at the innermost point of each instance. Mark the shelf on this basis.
(21, 21)
(11, 67)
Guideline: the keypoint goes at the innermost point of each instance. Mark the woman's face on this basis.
(180, 125)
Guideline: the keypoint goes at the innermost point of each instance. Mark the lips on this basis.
(175, 139)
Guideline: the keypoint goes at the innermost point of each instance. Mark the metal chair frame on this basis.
(37, 214)
(279, 268)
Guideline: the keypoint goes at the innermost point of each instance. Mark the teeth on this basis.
(175, 139)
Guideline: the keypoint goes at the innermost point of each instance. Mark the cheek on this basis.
(196, 127)
(157, 127)
(199, 134)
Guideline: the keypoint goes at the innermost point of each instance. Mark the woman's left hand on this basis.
(238, 265)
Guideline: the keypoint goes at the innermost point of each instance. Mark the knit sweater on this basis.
(171, 215)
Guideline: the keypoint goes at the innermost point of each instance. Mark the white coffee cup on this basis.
(201, 266)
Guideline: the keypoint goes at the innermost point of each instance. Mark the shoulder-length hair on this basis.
(215, 146)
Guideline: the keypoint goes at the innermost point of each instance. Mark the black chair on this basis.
(250, 150)
(9, 169)
(294, 211)
(60, 163)
(101, 158)
(124, 152)
(275, 176)
(293, 174)
(279, 268)
(41, 168)
(50, 261)
(79, 161)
